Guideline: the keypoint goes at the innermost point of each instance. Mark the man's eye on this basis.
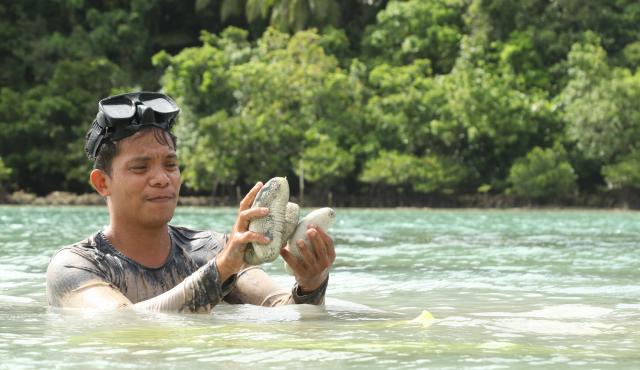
(139, 168)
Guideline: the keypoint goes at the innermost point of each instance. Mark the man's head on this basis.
(120, 116)
(135, 161)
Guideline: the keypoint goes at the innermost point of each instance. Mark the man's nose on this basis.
(159, 177)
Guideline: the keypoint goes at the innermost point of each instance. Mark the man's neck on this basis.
(149, 247)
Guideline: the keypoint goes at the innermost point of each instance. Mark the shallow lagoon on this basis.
(507, 289)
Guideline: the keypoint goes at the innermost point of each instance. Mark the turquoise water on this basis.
(507, 289)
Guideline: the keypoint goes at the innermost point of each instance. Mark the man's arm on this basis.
(254, 286)
(73, 281)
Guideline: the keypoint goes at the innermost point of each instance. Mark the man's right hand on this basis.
(231, 259)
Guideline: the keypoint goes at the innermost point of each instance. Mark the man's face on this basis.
(145, 180)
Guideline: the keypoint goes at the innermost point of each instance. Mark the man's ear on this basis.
(100, 181)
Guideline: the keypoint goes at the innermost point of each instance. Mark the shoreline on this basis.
(612, 200)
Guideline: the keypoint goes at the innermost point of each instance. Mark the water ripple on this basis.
(506, 289)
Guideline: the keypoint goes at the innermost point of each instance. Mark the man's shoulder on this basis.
(83, 254)
(84, 246)
(74, 265)
(189, 233)
(192, 239)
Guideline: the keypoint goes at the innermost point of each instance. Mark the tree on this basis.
(403, 105)
(5, 172)
(350, 16)
(489, 120)
(409, 30)
(543, 174)
(53, 118)
(280, 95)
(325, 163)
(478, 116)
(59, 58)
(625, 173)
(599, 104)
(285, 15)
(427, 174)
(540, 33)
(472, 84)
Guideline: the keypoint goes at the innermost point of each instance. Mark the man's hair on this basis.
(109, 149)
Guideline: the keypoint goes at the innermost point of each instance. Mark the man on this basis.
(142, 262)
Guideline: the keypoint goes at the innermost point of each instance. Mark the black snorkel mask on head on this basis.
(120, 116)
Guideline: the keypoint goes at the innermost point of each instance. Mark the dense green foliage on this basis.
(4, 171)
(543, 173)
(422, 174)
(533, 97)
(624, 174)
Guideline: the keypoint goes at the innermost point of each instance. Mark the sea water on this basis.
(410, 289)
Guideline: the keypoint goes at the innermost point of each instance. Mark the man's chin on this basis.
(160, 217)
(158, 221)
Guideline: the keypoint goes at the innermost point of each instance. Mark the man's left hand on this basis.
(313, 268)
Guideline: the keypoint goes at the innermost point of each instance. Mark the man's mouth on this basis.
(161, 198)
